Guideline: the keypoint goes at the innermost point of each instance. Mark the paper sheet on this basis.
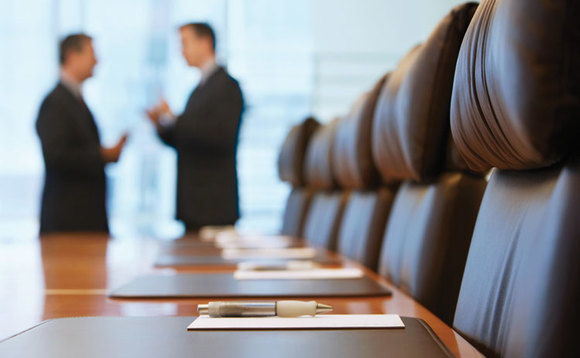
(229, 237)
(254, 244)
(209, 233)
(277, 265)
(331, 321)
(349, 272)
(292, 253)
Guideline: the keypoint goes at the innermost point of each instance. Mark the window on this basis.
(293, 58)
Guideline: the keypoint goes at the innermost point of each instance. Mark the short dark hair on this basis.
(201, 29)
(71, 43)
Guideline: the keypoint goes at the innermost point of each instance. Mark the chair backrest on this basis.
(324, 218)
(361, 231)
(326, 209)
(351, 155)
(291, 160)
(516, 107)
(319, 173)
(291, 163)
(297, 206)
(428, 232)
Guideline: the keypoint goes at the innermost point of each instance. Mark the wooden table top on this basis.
(69, 275)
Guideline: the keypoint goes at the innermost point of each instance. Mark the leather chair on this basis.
(430, 226)
(326, 210)
(291, 170)
(516, 107)
(361, 231)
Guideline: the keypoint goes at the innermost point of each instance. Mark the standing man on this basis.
(205, 136)
(74, 193)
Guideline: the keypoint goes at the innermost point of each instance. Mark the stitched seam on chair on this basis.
(430, 125)
(369, 178)
(455, 16)
(508, 155)
(481, 36)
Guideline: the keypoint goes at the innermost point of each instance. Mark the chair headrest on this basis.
(319, 172)
(516, 97)
(351, 156)
(411, 121)
(293, 152)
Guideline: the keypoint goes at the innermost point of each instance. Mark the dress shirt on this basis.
(71, 84)
(207, 69)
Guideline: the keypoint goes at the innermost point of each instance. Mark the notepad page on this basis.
(291, 253)
(314, 274)
(254, 244)
(329, 321)
(274, 265)
(232, 237)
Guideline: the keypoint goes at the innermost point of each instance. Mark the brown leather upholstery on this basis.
(516, 89)
(297, 206)
(319, 172)
(520, 291)
(361, 231)
(455, 162)
(516, 105)
(351, 156)
(327, 206)
(363, 224)
(291, 163)
(427, 239)
(429, 229)
(293, 152)
(324, 218)
(412, 114)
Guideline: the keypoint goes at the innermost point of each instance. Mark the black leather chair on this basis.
(328, 202)
(431, 221)
(361, 231)
(516, 107)
(291, 170)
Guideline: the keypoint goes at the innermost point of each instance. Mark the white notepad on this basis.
(254, 244)
(209, 233)
(331, 321)
(229, 237)
(277, 265)
(291, 253)
(349, 272)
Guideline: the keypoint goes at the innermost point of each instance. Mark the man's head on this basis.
(77, 56)
(198, 43)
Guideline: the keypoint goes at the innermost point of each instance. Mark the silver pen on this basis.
(263, 309)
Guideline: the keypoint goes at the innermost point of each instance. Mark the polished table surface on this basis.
(69, 276)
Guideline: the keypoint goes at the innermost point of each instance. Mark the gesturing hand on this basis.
(156, 112)
(154, 115)
(112, 154)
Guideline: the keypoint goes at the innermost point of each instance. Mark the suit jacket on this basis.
(205, 137)
(74, 192)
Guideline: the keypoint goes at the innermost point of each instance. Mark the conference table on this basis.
(69, 275)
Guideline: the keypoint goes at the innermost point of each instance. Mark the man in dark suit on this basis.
(205, 136)
(74, 193)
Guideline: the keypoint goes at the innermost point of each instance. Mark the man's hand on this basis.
(153, 115)
(162, 109)
(112, 154)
